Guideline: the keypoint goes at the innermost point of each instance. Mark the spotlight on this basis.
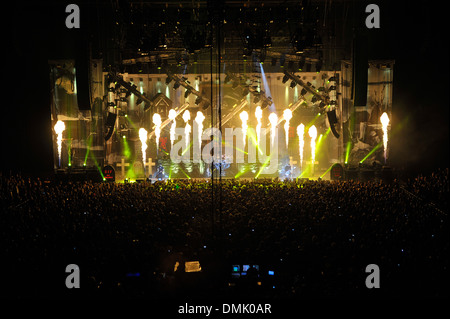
(176, 85)
(111, 89)
(303, 92)
(265, 104)
(186, 94)
(314, 99)
(293, 84)
(198, 100)
(256, 99)
(168, 80)
(205, 105)
(285, 78)
(139, 101)
(333, 87)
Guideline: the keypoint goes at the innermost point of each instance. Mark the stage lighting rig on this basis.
(182, 81)
(131, 88)
(307, 87)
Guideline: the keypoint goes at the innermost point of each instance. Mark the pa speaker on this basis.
(360, 65)
(332, 120)
(110, 122)
(83, 87)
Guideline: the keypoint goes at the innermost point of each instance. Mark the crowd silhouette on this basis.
(317, 236)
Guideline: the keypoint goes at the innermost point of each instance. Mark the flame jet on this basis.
(59, 129)
(313, 134)
(157, 121)
(287, 114)
(301, 133)
(385, 122)
(172, 116)
(143, 138)
(187, 128)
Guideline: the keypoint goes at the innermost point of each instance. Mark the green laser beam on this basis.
(263, 166)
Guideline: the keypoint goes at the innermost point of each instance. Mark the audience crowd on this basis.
(316, 236)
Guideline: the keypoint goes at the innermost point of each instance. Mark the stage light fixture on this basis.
(285, 78)
(139, 101)
(314, 99)
(176, 85)
(256, 99)
(333, 87)
(205, 104)
(186, 94)
(265, 104)
(168, 80)
(198, 100)
(303, 92)
(111, 89)
(293, 84)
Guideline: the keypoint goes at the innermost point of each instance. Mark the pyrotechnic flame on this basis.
(273, 119)
(244, 119)
(313, 134)
(385, 122)
(258, 115)
(59, 128)
(287, 114)
(199, 120)
(301, 133)
(157, 121)
(172, 116)
(143, 138)
(187, 128)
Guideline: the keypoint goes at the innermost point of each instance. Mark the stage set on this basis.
(272, 107)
